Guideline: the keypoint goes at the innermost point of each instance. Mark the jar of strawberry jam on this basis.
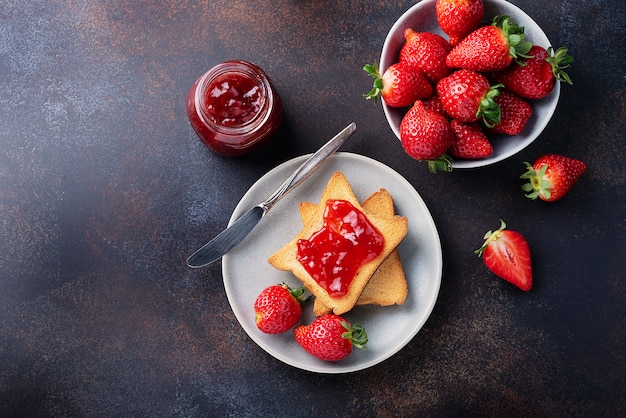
(234, 108)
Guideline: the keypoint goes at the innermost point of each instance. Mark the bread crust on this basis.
(393, 229)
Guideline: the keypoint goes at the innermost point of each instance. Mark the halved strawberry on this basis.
(552, 176)
(399, 86)
(507, 254)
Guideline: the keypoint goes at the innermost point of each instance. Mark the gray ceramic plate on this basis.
(247, 272)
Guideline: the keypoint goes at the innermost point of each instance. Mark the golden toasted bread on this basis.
(388, 285)
(392, 228)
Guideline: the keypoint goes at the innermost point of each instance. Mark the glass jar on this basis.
(234, 108)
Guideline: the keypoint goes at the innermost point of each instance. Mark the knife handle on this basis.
(309, 166)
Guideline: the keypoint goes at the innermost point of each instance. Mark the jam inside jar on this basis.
(334, 254)
(234, 108)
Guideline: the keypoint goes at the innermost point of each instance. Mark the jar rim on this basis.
(249, 70)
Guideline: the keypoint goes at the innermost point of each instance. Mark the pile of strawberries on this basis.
(479, 82)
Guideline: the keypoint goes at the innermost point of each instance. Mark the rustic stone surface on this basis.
(104, 191)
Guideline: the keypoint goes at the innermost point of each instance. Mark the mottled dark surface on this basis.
(104, 191)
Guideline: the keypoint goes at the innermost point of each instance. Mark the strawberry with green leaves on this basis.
(330, 337)
(535, 77)
(552, 176)
(458, 18)
(507, 254)
(470, 141)
(426, 135)
(399, 86)
(278, 308)
(426, 52)
(514, 114)
(467, 96)
(490, 48)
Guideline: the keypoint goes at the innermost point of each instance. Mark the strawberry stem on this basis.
(488, 109)
(537, 183)
(297, 293)
(441, 163)
(490, 237)
(355, 333)
(518, 47)
(373, 71)
(560, 60)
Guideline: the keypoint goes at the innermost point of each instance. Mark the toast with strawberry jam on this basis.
(340, 247)
(388, 284)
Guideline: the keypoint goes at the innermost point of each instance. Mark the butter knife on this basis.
(235, 233)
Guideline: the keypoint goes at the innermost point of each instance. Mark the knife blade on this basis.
(236, 233)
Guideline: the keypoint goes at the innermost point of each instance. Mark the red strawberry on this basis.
(535, 77)
(490, 48)
(399, 86)
(551, 176)
(468, 96)
(330, 337)
(434, 103)
(514, 114)
(426, 135)
(507, 254)
(426, 52)
(470, 141)
(277, 308)
(458, 18)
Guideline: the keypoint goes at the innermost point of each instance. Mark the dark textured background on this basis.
(104, 191)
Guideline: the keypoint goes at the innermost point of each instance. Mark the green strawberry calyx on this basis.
(537, 184)
(298, 293)
(441, 163)
(488, 109)
(518, 47)
(373, 71)
(490, 237)
(560, 61)
(355, 333)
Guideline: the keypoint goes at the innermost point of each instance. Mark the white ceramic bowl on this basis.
(421, 18)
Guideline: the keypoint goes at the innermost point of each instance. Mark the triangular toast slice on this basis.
(392, 228)
(388, 285)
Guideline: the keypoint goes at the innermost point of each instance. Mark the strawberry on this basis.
(468, 96)
(399, 86)
(470, 141)
(514, 114)
(426, 135)
(551, 176)
(426, 52)
(458, 18)
(434, 103)
(490, 48)
(535, 77)
(507, 254)
(277, 308)
(330, 337)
